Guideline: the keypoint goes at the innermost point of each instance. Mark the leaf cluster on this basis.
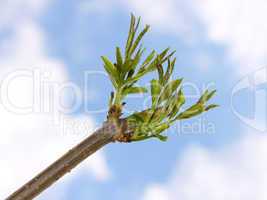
(167, 99)
(129, 68)
(167, 96)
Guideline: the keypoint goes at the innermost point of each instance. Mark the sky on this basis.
(54, 93)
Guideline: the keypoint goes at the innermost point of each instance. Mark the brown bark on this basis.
(67, 162)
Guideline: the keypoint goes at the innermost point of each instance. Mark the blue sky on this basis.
(218, 43)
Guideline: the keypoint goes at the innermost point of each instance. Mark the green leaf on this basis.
(153, 65)
(161, 128)
(191, 112)
(137, 117)
(170, 104)
(167, 57)
(112, 71)
(155, 91)
(161, 137)
(163, 53)
(169, 69)
(211, 94)
(131, 34)
(140, 138)
(160, 73)
(133, 90)
(145, 114)
(139, 75)
(203, 97)
(130, 74)
(127, 66)
(138, 39)
(211, 106)
(169, 89)
(137, 58)
(158, 115)
(179, 102)
(148, 59)
(206, 96)
(137, 24)
(119, 58)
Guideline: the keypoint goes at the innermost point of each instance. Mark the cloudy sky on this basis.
(54, 93)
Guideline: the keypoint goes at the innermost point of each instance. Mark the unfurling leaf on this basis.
(170, 68)
(161, 128)
(206, 96)
(133, 90)
(112, 71)
(148, 59)
(179, 102)
(119, 58)
(167, 97)
(162, 138)
(138, 39)
(132, 31)
(160, 73)
(191, 112)
(169, 89)
(211, 106)
(155, 91)
(211, 94)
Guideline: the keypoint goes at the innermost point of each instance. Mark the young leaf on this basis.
(170, 104)
(112, 71)
(161, 128)
(132, 31)
(133, 90)
(163, 53)
(139, 74)
(145, 114)
(169, 69)
(137, 24)
(168, 57)
(179, 102)
(191, 112)
(211, 106)
(160, 73)
(169, 89)
(137, 58)
(162, 138)
(137, 117)
(138, 39)
(155, 91)
(158, 115)
(119, 58)
(148, 59)
(211, 94)
(130, 74)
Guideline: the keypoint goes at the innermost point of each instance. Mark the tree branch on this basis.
(67, 162)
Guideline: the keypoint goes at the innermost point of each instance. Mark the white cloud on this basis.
(239, 25)
(165, 15)
(29, 143)
(156, 191)
(12, 12)
(236, 172)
